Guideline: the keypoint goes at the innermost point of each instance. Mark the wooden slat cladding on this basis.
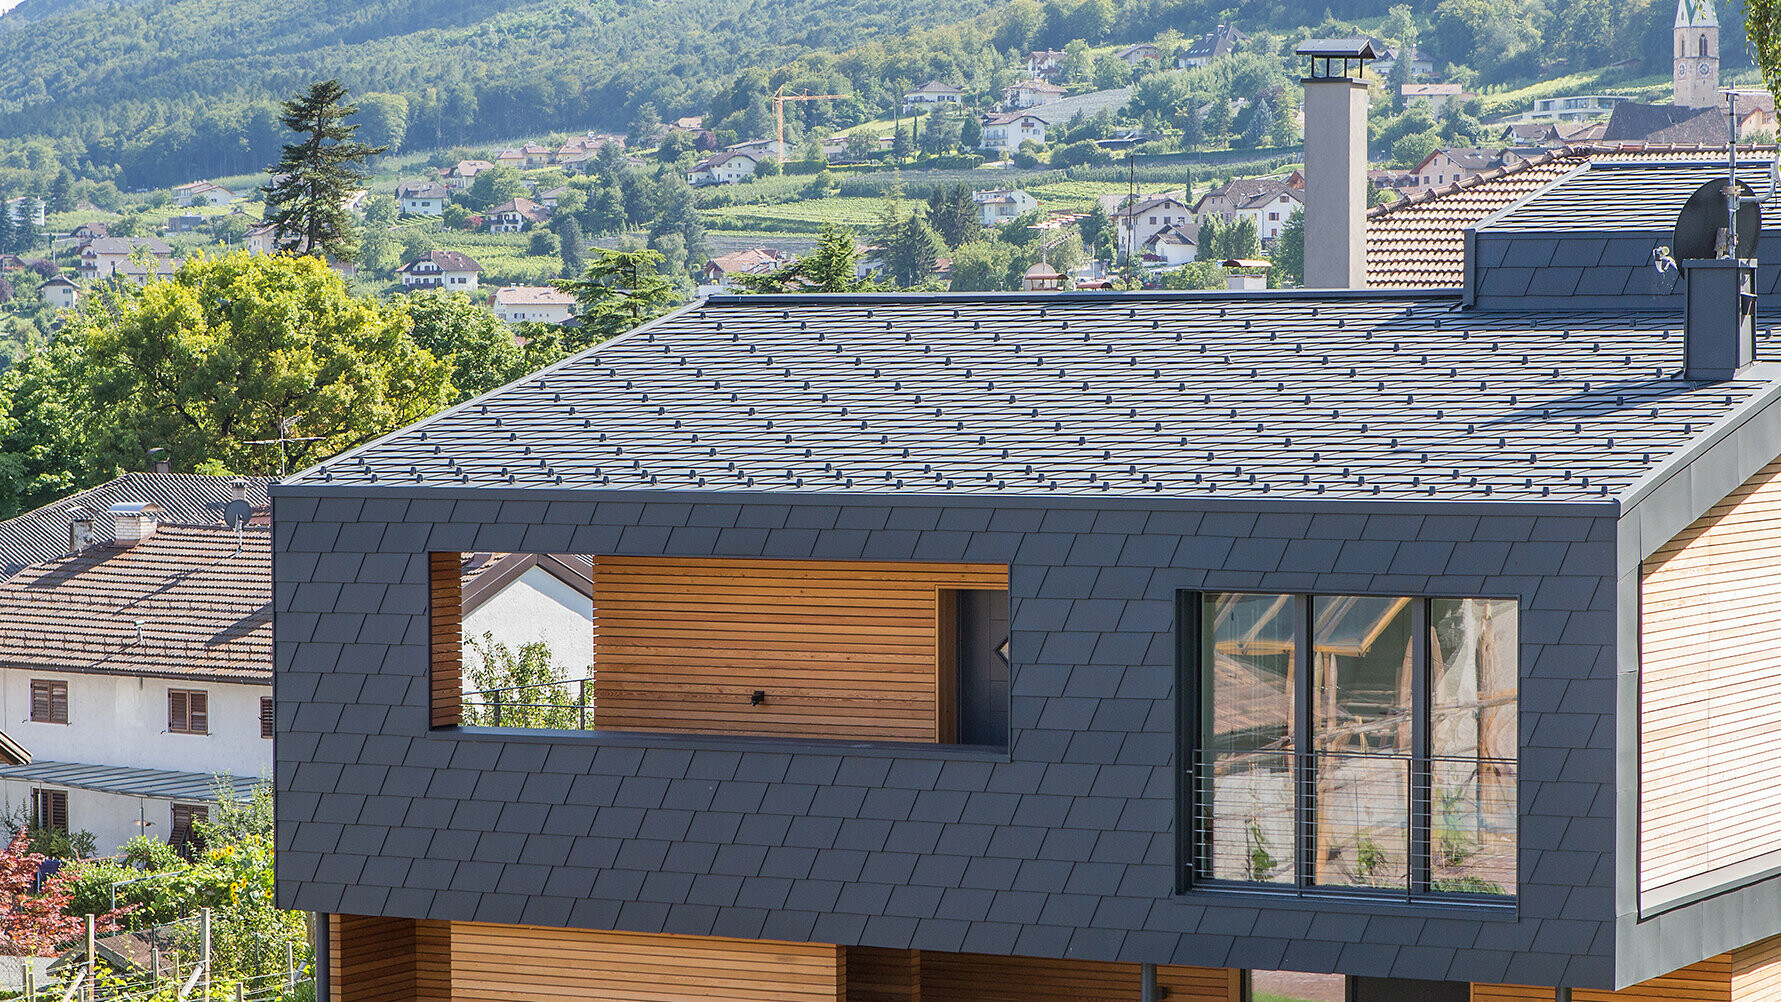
(1708, 981)
(1756, 972)
(446, 589)
(377, 960)
(841, 649)
(975, 977)
(1710, 690)
(504, 963)
(878, 975)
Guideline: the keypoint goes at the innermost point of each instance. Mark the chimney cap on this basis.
(1338, 48)
(148, 508)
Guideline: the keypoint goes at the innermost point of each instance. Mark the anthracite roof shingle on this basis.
(1282, 396)
(1632, 194)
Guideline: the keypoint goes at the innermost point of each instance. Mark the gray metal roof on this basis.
(1316, 396)
(1623, 195)
(124, 780)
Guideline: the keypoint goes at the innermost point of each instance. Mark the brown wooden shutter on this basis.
(184, 817)
(176, 711)
(445, 571)
(50, 809)
(200, 709)
(49, 701)
(268, 725)
(58, 702)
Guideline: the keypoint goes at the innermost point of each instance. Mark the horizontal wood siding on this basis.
(841, 649)
(1708, 981)
(447, 597)
(1756, 972)
(1710, 690)
(875, 975)
(506, 963)
(374, 959)
(973, 977)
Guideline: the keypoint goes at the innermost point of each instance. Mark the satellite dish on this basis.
(1703, 216)
(236, 514)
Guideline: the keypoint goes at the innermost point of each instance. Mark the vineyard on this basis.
(796, 217)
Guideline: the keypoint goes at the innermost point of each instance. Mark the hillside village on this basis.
(1251, 516)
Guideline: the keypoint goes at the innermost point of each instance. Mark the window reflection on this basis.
(1246, 792)
(1473, 730)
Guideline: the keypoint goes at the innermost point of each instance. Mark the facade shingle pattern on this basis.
(1089, 396)
(1064, 846)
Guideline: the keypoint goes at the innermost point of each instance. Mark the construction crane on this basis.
(779, 99)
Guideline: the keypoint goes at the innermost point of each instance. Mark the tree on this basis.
(902, 147)
(833, 266)
(384, 119)
(983, 266)
(572, 246)
(238, 348)
(1193, 128)
(35, 919)
(1762, 26)
(306, 200)
(1261, 124)
(970, 132)
(953, 213)
(382, 210)
(8, 225)
(1241, 240)
(860, 146)
(1218, 121)
(913, 251)
(523, 689)
(1097, 232)
(479, 348)
(620, 290)
(25, 233)
(495, 185)
(1289, 250)
(61, 192)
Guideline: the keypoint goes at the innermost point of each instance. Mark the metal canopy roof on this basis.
(165, 784)
(1337, 48)
(1283, 396)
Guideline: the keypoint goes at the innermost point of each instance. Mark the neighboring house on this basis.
(1136, 54)
(510, 158)
(422, 198)
(261, 239)
(105, 256)
(536, 154)
(459, 175)
(760, 149)
(1045, 63)
(1756, 112)
(1269, 210)
(548, 199)
(202, 193)
(998, 205)
(1636, 122)
(1445, 166)
(1436, 96)
(1031, 93)
(932, 93)
(1221, 41)
(139, 671)
(720, 272)
(689, 123)
(1015, 647)
(1173, 245)
(1136, 222)
(515, 215)
(1005, 132)
(1223, 202)
(453, 271)
(522, 598)
(184, 223)
(532, 303)
(58, 293)
(1421, 65)
(722, 168)
(88, 231)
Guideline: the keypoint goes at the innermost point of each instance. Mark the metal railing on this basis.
(499, 708)
(1363, 822)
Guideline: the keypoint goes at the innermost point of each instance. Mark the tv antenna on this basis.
(284, 438)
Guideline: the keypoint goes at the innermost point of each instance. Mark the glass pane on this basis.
(1291, 986)
(1474, 676)
(1244, 776)
(1361, 741)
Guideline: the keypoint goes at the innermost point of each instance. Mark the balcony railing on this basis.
(1381, 824)
(561, 706)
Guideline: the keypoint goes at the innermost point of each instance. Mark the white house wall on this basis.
(538, 606)
(113, 818)
(122, 720)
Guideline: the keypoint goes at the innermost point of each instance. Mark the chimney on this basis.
(80, 529)
(1336, 163)
(238, 489)
(158, 462)
(133, 521)
(1719, 321)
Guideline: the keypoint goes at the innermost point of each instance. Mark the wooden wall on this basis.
(1748, 974)
(1756, 972)
(1710, 694)
(926, 976)
(504, 963)
(388, 959)
(842, 649)
(447, 597)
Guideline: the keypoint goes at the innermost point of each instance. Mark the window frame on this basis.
(58, 799)
(194, 813)
(52, 685)
(1189, 688)
(183, 723)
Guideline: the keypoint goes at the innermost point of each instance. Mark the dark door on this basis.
(983, 667)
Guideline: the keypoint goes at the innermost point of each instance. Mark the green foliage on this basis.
(229, 350)
(1195, 275)
(305, 201)
(1258, 862)
(479, 348)
(506, 688)
(953, 213)
(987, 266)
(382, 210)
(619, 291)
(52, 842)
(1289, 251)
(493, 186)
(1762, 26)
(831, 267)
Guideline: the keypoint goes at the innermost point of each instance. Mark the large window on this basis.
(1359, 744)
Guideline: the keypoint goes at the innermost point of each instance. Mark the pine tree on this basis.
(1261, 124)
(574, 248)
(8, 228)
(25, 232)
(306, 201)
(61, 193)
(1193, 128)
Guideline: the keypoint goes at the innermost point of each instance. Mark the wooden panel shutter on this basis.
(268, 724)
(446, 588)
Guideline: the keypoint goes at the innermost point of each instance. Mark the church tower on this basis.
(1697, 54)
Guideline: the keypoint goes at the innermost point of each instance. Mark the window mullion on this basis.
(1420, 770)
(1305, 832)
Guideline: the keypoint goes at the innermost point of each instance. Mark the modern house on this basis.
(534, 303)
(1222, 41)
(1331, 644)
(422, 198)
(932, 93)
(453, 271)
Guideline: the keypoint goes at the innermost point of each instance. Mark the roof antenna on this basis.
(236, 515)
